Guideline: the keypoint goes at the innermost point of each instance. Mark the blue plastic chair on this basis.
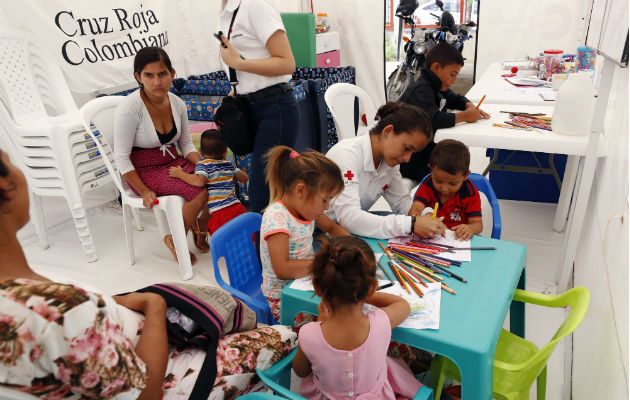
(484, 186)
(278, 378)
(234, 243)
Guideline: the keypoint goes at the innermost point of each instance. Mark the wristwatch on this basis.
(413, 224)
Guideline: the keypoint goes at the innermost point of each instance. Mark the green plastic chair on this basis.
(278, 378)
(518, 362)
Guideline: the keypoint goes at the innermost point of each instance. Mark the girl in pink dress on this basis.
(344, 354)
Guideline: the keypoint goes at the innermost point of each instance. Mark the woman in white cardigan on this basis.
(147, 128)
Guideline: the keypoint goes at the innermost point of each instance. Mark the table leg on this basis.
(495, 155)
(566, 191)
(517, 311)
(476, 371)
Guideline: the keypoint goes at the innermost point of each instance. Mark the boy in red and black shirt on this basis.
(458, 199)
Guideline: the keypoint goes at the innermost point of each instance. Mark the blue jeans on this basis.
(277, 121)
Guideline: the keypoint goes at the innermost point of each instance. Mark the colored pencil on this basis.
(411, 283)
(385, 286)
(422, 248)
(421, 268)
(428, 277)
(425, 257)
(452, 262)
(413, 275)
(435, 210)
(481, 101)
(384, 271)
(400, 279)
(430, 244)
(416, 259)
(474, 248)
(454, 275)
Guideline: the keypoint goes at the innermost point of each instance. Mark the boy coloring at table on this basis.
(459, 203)
(301, 187)
(344, 354)
(432, 93)
(218, 175)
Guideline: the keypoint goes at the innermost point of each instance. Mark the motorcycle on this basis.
(415, 49)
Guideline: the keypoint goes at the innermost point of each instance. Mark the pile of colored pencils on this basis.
(415, 263)
(529, 121)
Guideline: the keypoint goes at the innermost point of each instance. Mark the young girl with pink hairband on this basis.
(301, 187)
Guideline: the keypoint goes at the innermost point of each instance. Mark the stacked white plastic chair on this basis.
(340, 99)
(41, 124)
(99, 113)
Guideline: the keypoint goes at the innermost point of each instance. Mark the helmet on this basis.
(407, 7)
(448, 22)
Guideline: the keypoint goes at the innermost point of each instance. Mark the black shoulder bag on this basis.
(234, 117)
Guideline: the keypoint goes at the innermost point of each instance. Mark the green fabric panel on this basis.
(300, 29)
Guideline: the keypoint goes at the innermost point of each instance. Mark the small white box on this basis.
(325, 42)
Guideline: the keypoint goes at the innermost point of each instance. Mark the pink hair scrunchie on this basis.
(293, 155)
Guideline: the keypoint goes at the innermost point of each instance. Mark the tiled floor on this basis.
(523, 222)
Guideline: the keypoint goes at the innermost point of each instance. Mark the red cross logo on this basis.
(348, 175)
(385, 187)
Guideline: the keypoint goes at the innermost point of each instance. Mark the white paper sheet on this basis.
(526, 81)
(425, 311)
(305, 284)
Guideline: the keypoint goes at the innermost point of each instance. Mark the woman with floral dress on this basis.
(59, 341)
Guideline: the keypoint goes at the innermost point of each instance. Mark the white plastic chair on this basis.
(340, 101)
(41, 124)
(100, 113)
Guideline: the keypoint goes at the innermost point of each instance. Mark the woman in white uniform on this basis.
(259, 51)
(370, 168)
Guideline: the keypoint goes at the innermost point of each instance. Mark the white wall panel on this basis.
(600, 347)
(514, 29)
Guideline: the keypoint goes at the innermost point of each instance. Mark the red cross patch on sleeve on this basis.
(348, 176)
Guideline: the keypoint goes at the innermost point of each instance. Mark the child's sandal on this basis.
(199, 234)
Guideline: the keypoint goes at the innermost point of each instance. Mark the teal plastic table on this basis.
(470, 321)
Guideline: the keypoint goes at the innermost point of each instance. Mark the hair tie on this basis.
(293, 155)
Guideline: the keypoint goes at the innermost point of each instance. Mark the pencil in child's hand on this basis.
(481, 101)
(435, 210)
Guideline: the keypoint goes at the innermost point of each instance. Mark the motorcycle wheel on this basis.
(397, 84)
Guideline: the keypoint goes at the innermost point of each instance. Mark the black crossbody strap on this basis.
(233, 79)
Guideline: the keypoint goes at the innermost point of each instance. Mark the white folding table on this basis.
(499, 91)
(583, 151)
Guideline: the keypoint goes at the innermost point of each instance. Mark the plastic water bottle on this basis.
(575, 104)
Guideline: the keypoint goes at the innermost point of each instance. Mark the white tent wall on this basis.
(514, 29)
(360, 24)
(600, 345)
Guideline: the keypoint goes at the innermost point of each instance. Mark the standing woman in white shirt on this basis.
(259, 51)
(146, 128)
(370, 166)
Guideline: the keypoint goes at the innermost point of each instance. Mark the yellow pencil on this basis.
(435, 210)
